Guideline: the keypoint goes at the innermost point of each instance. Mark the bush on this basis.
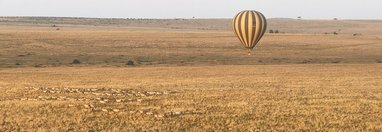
(38, 65)
(75, 61)
(130, 63)
(271, 31)
(336, 61)
(276, 31)
(357, 34)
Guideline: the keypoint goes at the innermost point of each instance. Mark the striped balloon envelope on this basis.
(249, 26)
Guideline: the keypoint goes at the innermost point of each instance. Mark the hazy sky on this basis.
(313, 9)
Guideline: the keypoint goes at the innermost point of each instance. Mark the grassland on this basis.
(188, 78)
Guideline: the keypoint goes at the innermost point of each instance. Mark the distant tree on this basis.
(335, 19)
(276, 31)
(335, 33)
(271, 31)
(299, 17)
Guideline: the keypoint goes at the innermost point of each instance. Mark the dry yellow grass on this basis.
(270, 97)
(193, 80)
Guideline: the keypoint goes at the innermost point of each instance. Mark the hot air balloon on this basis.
(249, 26)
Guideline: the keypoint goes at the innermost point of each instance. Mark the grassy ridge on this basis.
(46, 47)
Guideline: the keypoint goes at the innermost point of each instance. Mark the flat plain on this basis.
(78, 74)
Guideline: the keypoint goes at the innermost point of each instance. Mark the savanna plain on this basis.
(86, 74)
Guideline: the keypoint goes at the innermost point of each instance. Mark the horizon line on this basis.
(188, 18)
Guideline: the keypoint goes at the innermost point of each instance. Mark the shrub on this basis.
(336, 61)
(305, 61)
(38, 65)
(75, 61)
(271, 31)
(276, 31)
(130, 63)
(356, 34)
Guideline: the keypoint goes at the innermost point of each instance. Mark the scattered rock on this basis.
(177, 113)
(87, 106)
(158, 116)
(94, 90)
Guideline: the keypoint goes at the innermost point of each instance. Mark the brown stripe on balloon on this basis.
(261, 29)
(265, 24)
(242, 27)
(253, 28)
(238, 27)
(250, 29)
(246, 28)
(262, 26)
(258, 27)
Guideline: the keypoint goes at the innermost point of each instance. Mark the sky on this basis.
(309, 9)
